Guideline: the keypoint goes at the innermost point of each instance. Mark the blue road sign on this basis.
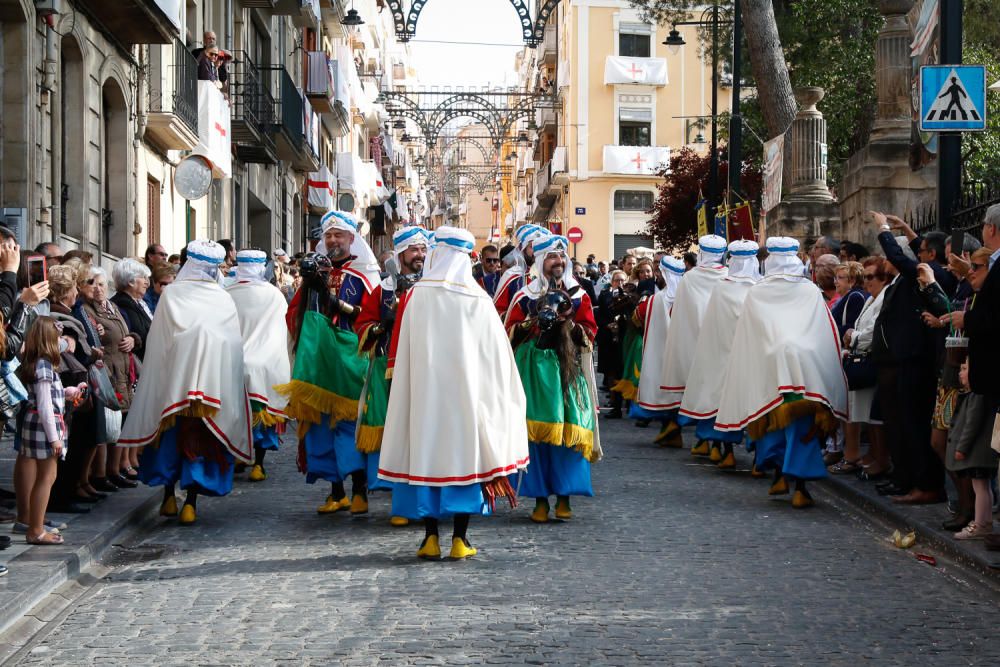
(952, 98)
(580, 210)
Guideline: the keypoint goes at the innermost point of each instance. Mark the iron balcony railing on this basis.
(251, 98)
(173, 83)
(288, 113)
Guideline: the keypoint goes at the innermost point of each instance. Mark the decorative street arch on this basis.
(406, 14)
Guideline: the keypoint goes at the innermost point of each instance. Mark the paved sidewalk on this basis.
(37, 571)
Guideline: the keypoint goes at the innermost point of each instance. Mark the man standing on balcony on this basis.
(329, 373)
(211, 43)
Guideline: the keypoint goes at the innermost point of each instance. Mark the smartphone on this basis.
(957, 242)
(37, 271)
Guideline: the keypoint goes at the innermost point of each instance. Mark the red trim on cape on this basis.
(474, 477)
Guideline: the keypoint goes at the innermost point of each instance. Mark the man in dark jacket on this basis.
(929, 249)
(905, 353)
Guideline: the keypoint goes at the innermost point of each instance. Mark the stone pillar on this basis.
(809, 149)
(892, 73)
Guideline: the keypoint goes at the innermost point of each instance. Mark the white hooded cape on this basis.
(261, 309)
(711, 358)
(456, 412)
(654, 348)
(194, 353)
(785, 342)
(685, 325)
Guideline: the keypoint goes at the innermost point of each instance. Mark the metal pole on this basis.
(736, 121)
(713, 173)
(949, 144)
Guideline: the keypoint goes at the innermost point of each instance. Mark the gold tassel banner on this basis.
(628, 390)
(369, 438)
(544, 432)
(266, 419)
(787, 413)
(308, 403)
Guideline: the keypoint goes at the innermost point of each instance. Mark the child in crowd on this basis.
(970, 455)
(42, 432)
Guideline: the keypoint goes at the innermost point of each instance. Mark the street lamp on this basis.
(352, 19)
(674, 41)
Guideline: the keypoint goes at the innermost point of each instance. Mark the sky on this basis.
(479, 21)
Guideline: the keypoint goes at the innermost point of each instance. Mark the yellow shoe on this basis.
(169, 507)
(728, 462)
(701, 449)
(563, 510)
(780, 487)
(715, 454)
(667, 433)
(430, 548)
(399, 521)
(359, 505)
(461, 549)
(331, 505)
(541, 513)
(188, 515)
(801, 500)
(257, 474)
(756, 474)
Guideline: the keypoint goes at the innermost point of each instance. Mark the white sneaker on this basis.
(973, 532)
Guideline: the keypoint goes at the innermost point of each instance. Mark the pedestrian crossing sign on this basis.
(952, 98)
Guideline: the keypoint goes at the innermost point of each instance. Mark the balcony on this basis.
(549, 181)
(327, 92)
(545, 118)
(293, 143)
(138, 21)
(547, 49)
(636, 160)
(253, 112)
(173, 97)
(259, 4)
(304, 13)
(331, 12)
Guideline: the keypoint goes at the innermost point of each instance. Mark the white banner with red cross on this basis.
(214, 140)
(638, 160)
(645, 71)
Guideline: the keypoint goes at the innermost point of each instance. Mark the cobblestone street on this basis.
(672, 562)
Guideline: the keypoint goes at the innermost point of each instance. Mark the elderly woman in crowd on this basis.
(861, 397)
(852, 296)
(162, 275)
(107, 329)
(131, 283)
(73, 491)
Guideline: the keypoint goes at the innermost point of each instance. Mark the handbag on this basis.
(100, 385)
(109, 426)
(860, 371)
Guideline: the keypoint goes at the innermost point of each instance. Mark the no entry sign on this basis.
(575, 234)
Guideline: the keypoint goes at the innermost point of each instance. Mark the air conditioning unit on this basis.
(16, 220)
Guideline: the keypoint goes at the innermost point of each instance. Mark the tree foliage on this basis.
(674, 222)
(981, 150)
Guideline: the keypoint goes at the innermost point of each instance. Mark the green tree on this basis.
(981, 150)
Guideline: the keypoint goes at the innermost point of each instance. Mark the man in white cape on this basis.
(784, 382)
(517, 276)
(455, 425)
(191, 411)
(711, 357)
(685, 323)
(652, 402)
(261, 308)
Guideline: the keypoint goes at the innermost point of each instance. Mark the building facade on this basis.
(103, 100)
(623, 103)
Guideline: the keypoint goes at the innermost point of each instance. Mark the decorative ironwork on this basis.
(405, 18)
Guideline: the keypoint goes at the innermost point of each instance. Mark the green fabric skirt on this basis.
(555, 418)
(628, 386)
(374, 406)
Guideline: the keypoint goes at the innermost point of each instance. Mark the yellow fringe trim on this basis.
(388, 373)
(266, 419)
(195, 409)
(550, 434)
(786, 413)
(369, 438)
(563, 435)
(308, 403)
(628, 390)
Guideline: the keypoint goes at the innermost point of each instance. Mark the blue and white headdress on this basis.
(251, 265)
(743, 263)
(203, 260)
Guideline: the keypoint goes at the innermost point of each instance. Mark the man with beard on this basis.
(374, 329)
(516, 276)
(551, 325)
(329, 373)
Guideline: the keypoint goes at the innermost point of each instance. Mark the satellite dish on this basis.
(345, 202)
(193, 177)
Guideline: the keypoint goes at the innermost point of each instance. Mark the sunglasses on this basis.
(869, 276)
(162, 284)
(976, 267)
(491, 260)
(91, 281)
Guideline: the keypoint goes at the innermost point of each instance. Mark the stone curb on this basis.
(38, 571)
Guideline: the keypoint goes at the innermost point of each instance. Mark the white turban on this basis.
(743, 264)
(448, 264)
(365, 258)
(203, 260)
(711, 248)
(250, 266)
(783, 259)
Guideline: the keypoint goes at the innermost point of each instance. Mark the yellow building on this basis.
(624, 103)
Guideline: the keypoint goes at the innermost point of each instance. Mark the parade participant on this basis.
(701, 399)
(190, 410)
(455, 426)
(551, 325)
(641, 286)
(374, 329)
(329, 373)
(516, 276)
(685, 322)
(652, 402)
(262, 308)
(784, 382)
